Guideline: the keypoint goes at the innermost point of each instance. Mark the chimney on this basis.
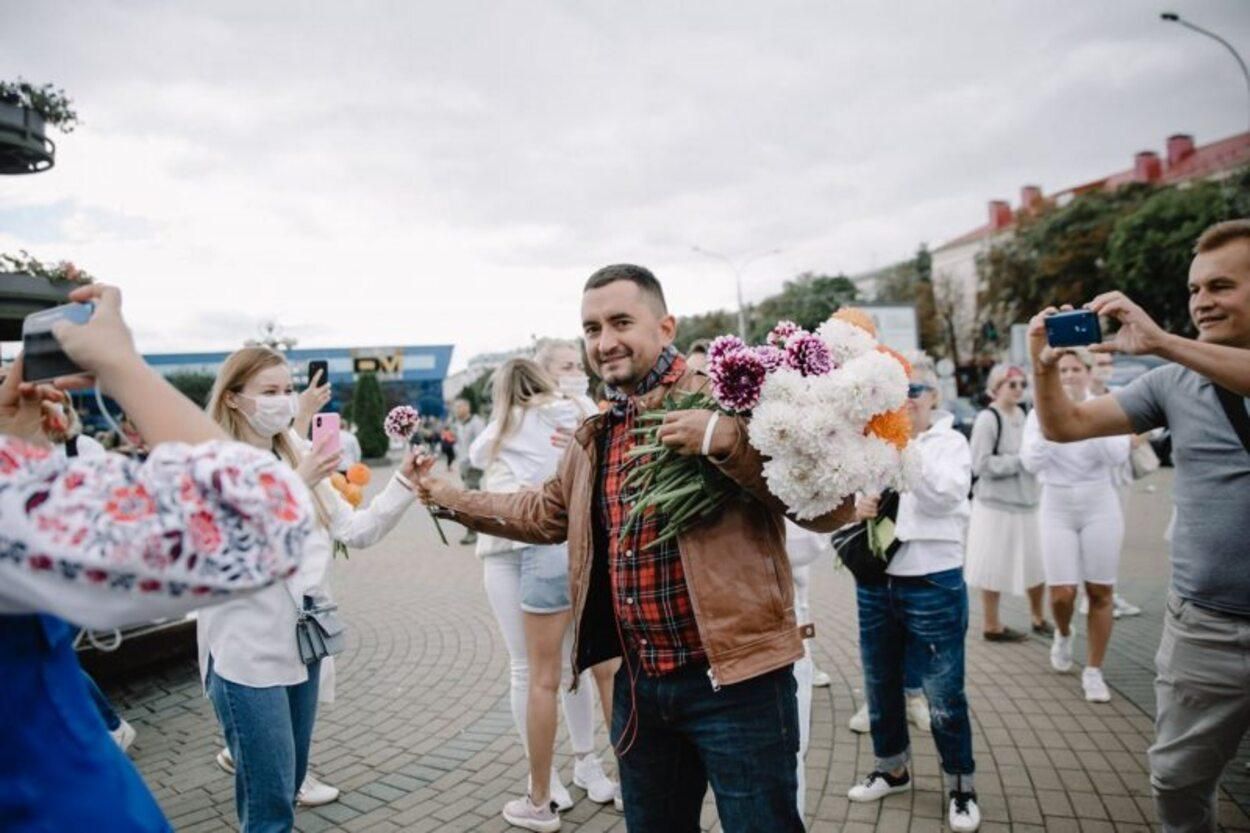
(1180, 148)
(1030, 198)
(1147, 167)
(1000, 215)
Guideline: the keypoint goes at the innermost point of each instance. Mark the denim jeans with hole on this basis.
(742, 739)
(269, 732)
(921, 619)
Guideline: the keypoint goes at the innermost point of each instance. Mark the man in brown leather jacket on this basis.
(705, 622)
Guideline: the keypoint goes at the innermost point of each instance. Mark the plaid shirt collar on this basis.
(668, 369)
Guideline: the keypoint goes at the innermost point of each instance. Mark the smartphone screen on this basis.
(325, 432)
(1076, 328)
(42, 356)
(314, 366)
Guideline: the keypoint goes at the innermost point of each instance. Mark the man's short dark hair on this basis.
(699, 345)
(640, 277)
(1220, 234)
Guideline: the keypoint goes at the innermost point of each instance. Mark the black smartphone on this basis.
(314, 366)
(42, 356)
(1076, 328)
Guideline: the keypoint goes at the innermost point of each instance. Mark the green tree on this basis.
(808, 301)
(1149, 250)
(194, 386)
(367, 413)
(707, 325)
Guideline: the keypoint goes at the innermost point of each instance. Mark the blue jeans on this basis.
(269, 732)
(925, 617)
(679, 735)
(110, 717)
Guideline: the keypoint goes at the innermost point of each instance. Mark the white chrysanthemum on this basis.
(785, 385)
(772, 428)
(845, 341)
(871, 384)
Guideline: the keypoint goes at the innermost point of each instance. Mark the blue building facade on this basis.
(409, 374)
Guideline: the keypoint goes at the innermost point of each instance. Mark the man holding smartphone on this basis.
(1203, 683)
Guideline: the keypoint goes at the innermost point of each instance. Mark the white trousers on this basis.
(501, 574)
(1082, 529)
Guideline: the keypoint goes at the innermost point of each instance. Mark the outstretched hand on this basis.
(1138, 332)
(418, 468)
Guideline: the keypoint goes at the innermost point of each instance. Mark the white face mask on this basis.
(274, 413)
(574, 384)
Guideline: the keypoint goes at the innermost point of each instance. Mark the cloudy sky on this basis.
(450, 172)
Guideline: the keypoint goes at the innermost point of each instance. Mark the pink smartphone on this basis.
(325, 432)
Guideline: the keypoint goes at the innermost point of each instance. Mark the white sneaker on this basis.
(1123, 607)
(589, 775)
(1082, 607)
(1061, 653)
(617, 801)
(918, 712)
(124, 735)
(226, 761)
(860, 723)
(964, 816)
(313, 793)
(820, 679)
(878, 785)
(1095, 686)
(521, 813)
(559, 792)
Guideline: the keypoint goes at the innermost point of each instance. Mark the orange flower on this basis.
(353, 494)
(893, 426)
(897, 355)
(359, 474)
(856, 316)
(338, 481)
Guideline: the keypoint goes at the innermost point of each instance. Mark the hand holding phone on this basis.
(43, 356)
(1075, 328)
(325, 433)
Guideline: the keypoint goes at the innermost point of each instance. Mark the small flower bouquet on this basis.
(827, 412)
(401, 423)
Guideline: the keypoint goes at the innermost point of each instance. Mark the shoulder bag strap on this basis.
(1235, 410)
(998, 423)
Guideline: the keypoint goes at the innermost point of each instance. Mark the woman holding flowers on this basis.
(264, 693)
(528, 585)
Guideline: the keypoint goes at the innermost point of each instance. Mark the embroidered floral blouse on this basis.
(107, 541)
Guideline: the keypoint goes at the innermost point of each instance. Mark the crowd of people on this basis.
(697, 645)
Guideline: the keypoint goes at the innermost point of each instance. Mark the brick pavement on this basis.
(421, 738)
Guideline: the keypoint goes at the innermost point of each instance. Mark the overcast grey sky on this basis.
(435, 172)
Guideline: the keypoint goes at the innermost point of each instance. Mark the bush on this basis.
(368, 412)
(194, 386)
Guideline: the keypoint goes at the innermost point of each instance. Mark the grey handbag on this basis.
(319, 631)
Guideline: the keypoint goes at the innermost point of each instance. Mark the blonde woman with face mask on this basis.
(264, 694)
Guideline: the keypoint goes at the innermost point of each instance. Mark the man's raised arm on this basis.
(1063, 420)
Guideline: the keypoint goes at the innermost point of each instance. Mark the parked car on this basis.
(965, 414)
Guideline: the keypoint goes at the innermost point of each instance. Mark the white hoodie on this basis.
(933, 515)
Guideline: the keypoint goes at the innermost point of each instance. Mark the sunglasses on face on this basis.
(915, 391)
(1019, 384)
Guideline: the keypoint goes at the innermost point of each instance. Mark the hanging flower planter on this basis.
(26, 112)
(20, 295)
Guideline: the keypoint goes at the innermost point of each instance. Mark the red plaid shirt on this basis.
(648, 588)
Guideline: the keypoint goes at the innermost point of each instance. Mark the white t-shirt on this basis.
(1070, 464)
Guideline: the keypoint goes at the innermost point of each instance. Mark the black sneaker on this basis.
(878, 785)
(964, 815)
(1005, 635)
(1044, 628)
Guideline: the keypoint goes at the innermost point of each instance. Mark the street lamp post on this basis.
(1172, 17)
(738, 266)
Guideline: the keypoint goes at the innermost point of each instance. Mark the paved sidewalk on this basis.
(421, 738)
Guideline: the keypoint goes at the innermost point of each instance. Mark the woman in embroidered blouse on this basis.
(264, 695)
(104, 542)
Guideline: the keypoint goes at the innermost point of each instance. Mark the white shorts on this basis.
(1082, 530)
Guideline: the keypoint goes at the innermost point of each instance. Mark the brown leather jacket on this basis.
(736, 567)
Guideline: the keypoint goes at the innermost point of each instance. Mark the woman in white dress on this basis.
(1004, 543)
